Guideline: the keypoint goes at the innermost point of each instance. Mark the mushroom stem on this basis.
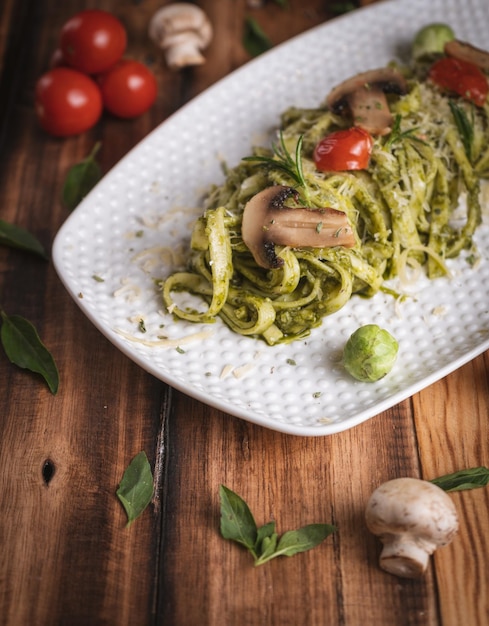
(369, 110)
(314, 228)
(268, 222)
(403, 557)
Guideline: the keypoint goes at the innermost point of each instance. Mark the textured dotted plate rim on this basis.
(301, 388)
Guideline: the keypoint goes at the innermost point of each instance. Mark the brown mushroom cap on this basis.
(363, 96)
(268, 222)
(466, 52)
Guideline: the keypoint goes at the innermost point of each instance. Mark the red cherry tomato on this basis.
(92, 41)
(128, 89)
(461, 77)
(341, 150)
(67, 102)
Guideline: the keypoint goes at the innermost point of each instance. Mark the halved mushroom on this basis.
(268, 222)
(364, 97)
(467, 52)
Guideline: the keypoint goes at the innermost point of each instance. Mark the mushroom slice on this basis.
(364, 97)
(267, 222)
(466, 52)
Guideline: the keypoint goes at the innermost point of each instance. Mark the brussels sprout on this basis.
(431, 39)
(370, 353)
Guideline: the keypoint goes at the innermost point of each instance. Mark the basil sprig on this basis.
(81, 179)
(135, 490)
(17, 237)
(471, 478)
(24, 348)
(263, 542)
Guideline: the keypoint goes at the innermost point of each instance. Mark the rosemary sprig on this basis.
(284, 161)
(464, 126)
(397, 135)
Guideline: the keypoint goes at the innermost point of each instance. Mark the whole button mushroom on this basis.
(412, 518)
(182, 30)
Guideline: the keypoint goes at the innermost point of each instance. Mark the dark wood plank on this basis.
(67, 556)
(453, 434)
(294, 481)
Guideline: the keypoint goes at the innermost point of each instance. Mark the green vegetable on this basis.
(463, 480)
(24, 348)
(81, 179)
(431, 39)
(255, 41)
(136, 488)
(263, 543)
(16, 237)
(370, 353)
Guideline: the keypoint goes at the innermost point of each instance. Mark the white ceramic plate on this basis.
(108, 251)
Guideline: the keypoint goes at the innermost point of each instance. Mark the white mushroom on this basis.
(412, 518)
(363, 98)
(268, 222)
(182, 31)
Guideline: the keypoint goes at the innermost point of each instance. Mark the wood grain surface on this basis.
(66, 555)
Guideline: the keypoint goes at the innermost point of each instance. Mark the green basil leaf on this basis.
(237, 521)
(255, 41)
(136, 488)
(17, 237)
(263, 532)
(301, 540)
(81, 179)
(471, 478)
(338, 8)
(24, 348)
(267, 548)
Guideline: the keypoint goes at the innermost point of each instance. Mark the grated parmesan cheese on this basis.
(130, 290)
(241, 371)
(166, 342)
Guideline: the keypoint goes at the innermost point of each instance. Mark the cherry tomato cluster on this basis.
(89, 74)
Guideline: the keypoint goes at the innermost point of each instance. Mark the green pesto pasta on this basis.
(401, 210)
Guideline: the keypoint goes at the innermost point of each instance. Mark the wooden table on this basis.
(67, 557)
